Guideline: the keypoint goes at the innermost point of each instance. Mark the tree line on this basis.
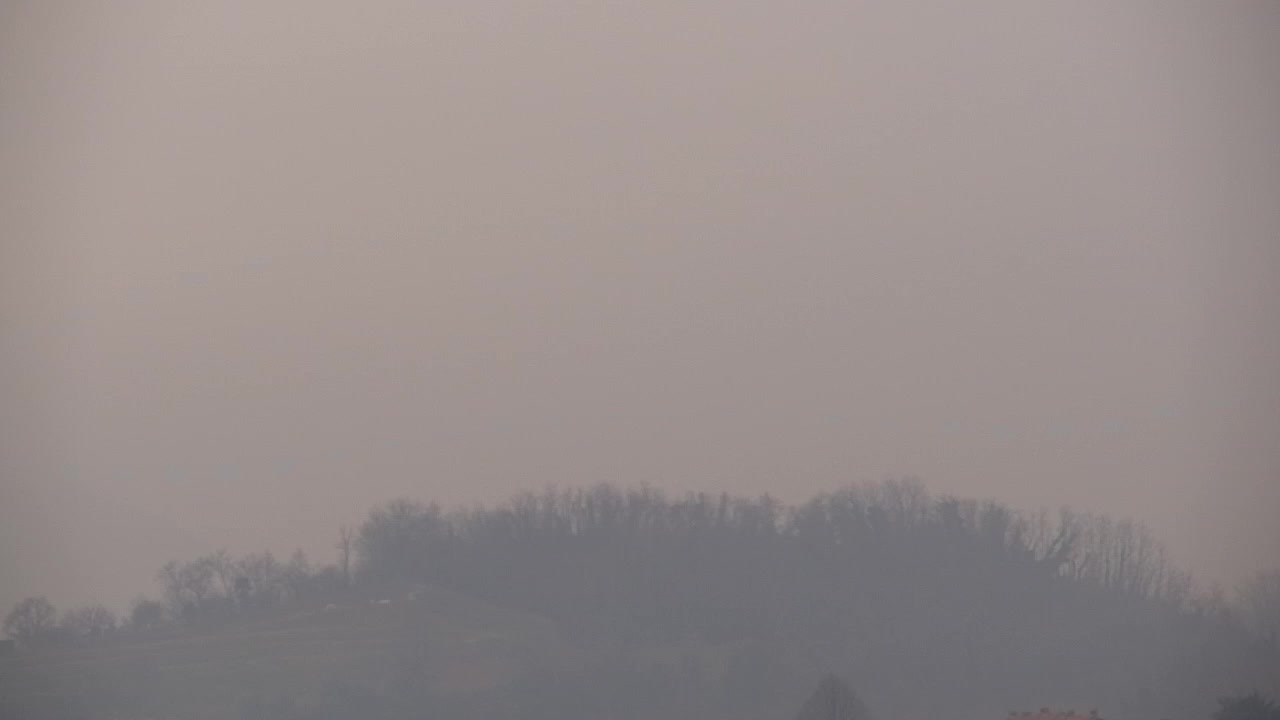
(934, 603)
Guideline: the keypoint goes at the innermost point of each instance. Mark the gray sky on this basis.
(264, 267)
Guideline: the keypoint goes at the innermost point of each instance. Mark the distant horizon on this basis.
(318, 551)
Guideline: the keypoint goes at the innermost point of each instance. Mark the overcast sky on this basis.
(265, 265)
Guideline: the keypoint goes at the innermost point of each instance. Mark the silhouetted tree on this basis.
(1247, 707)
(224, 569)
(266, 578)
(146, 614)
(346, 542)
(296, 574)
(88, 620)
(833, 700)
(187, 585)
(30, 620)
(1259, 602)
(243, 591)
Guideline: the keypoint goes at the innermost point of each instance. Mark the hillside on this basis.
(612, 603)
(440, 643)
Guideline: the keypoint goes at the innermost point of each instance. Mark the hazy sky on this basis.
(264, 265)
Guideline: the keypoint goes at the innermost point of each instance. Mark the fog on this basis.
(266, 266)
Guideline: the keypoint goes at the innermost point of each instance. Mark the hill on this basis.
(437, 643)
(613, 603)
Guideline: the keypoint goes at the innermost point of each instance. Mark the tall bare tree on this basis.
(1259, 602)
(346, 538)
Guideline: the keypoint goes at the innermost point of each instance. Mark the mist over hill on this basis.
(625, 602)
(318, 274)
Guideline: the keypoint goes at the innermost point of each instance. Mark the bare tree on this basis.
(346, 539)
(1121, 557)
(89, 620)
(224, 569)
(833, 700)
(1259, 603)
(146, 614)
(30, 619)
(265, 581)
(1253, 706)
(187, 585)
(296, 575)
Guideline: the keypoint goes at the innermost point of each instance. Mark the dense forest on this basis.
(634, 604)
